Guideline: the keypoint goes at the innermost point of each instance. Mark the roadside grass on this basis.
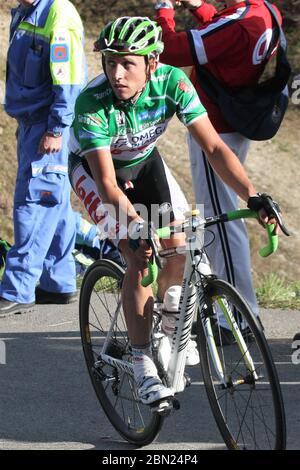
(276, 292)
(273, 292)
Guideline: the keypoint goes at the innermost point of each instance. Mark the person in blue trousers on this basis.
(45, 73)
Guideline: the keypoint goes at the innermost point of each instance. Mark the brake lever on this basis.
(272, 209)
(278, 218)
(153, 246)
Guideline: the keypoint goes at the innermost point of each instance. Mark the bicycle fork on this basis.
(229, 316)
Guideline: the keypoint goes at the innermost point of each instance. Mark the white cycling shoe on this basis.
(164, 352)
(192, 354)
(151, 389)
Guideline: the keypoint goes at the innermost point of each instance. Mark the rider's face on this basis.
(127, 74)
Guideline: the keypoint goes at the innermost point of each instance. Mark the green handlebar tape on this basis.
(242, 214)
(273, 242)
(151, 276)
(272, 245)
(164, 232)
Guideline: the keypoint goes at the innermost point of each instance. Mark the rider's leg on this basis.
(138, 308)
(137, 300)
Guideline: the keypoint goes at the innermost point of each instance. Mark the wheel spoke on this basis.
(248, 408)
(102, 314)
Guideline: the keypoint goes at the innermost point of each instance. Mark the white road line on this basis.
(63, 323)
(259, 383)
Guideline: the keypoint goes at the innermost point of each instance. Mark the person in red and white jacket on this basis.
(233, 44)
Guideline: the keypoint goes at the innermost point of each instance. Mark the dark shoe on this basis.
(8, 307)
(296, 337)
(4, 249)
(44, 297)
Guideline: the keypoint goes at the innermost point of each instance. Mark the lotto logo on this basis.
(59, 53)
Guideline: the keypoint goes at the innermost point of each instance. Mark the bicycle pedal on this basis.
(165, 406)
(162, 407)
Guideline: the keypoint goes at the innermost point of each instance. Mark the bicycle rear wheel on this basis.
(100, 303)
(247, 405)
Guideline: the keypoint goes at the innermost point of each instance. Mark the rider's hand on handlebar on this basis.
(264, 219)
(144, 252)
(142, 232)
(138, 232)
(268, 210)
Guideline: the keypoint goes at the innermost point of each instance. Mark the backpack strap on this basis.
(282, 39)
(283, 69)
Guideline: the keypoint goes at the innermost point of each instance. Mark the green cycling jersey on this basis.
(131, 130)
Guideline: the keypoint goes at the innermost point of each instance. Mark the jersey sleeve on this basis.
(188, 105)
(68, 74)
(67, 62)
(91, 130)
(177, 51)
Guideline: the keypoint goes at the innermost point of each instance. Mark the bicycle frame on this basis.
(192, 291)
(181, 336)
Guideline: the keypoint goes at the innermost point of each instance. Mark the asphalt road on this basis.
(47, 401)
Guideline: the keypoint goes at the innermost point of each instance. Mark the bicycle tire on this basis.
(258, 424)
(100, 295)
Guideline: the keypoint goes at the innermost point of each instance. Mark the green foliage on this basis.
(275, 292)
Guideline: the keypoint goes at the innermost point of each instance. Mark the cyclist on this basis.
(114, 166)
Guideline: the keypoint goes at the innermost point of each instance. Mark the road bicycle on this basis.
(240, 378)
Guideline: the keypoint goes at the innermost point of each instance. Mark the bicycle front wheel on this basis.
(239, 374)
(101, 317)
